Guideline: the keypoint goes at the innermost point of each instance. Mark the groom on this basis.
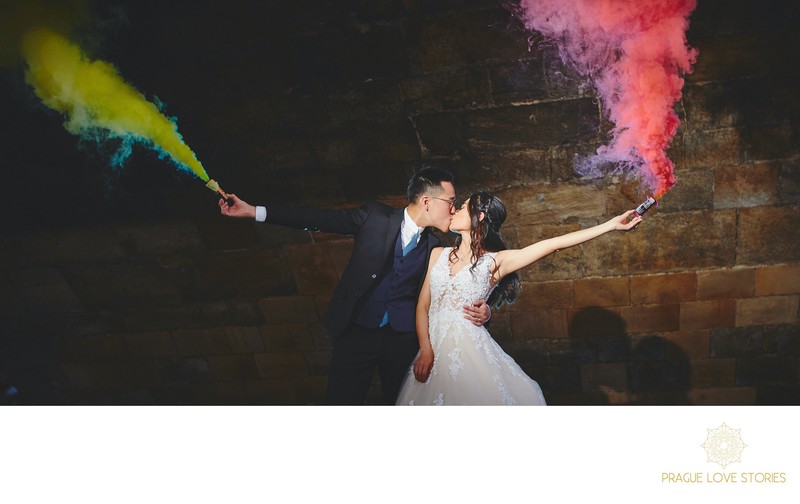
(371, 318)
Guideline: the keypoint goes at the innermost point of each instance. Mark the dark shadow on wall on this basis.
(605, 365)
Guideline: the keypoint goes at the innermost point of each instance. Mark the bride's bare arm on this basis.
(509, 261)
(424, 363)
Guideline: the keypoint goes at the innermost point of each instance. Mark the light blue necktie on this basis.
(412, 243)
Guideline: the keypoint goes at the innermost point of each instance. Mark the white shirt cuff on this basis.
(261, 214)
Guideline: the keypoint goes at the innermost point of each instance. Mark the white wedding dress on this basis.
(469, 366)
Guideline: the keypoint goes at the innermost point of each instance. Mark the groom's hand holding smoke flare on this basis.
(234, 207)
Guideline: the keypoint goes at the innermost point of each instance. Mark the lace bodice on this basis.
(469, 367)
(449, 293)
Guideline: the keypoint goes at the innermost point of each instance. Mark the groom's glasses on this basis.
(452, 202)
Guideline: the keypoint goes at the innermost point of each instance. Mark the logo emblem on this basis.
(724, 445)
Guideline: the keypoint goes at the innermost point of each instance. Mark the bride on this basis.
(458, 362)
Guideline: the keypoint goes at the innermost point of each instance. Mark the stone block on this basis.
(340, 252)
(313, 269)
(539, 125)
(12, 306)
(773, 141)
(666, 375)
(244, 339)
(281, 365)
(461, 37)
(441, 134)
(693, 190)
(245, 274)
(602, 292)
(727, 396)
(707, 314)
(232, 367)
(181, 371)
(71, 324)
(651, 318)
(287, 337)
(672, 242)
(523, 166)
(150, 345)
(710, 373)
(109, 374)
(77, 374)
(174, 395)
(538, 324)
(451, 89)
(384, 144)
(778, 394)
(61, 247)
(163, 318)
(544, 295)
(288, 310)
(767, 370)
(562, 265)
(161, 238)
(773, 280)
(95, 347)
(124, 284)
(319, 362)
(732, 55)
(708, 105)
(694, 344)
(756, 340)
(231, 313)
(589, 322)
(520, 81)
(370, 100)
(606, 377)
(310, 391)
(789, 181)
(146, 374)
(270, 392)
(663, 289)
(221, 234)
(217, 393)
(766, 310)
(551, 204)
(201, 342)
(767, 235)
(719, 147)
(725, 284)
(7, 260)
(749, 185)
(336, 147)
(45, 290)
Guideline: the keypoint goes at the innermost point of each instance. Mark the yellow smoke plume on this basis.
(92, 95)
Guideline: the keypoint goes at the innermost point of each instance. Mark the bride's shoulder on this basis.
(437, 251)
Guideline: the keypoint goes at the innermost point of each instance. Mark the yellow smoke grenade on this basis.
(92, 95)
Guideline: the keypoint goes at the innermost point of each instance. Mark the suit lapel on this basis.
(392, 230)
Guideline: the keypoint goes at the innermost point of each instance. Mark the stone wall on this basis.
(699, 305)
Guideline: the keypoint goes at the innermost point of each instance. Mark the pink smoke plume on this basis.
(635, 53)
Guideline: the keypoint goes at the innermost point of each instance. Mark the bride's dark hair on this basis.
(485, 237)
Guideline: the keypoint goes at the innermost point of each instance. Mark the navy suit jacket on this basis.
(375, 227)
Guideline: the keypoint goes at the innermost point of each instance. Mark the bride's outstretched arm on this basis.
(509, 261)
(424, 362)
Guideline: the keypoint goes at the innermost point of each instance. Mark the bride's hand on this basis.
(621, 222)
(423, 365)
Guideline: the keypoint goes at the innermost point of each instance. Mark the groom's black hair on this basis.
(425, 180)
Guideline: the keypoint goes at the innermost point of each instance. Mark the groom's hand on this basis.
(478, 312)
